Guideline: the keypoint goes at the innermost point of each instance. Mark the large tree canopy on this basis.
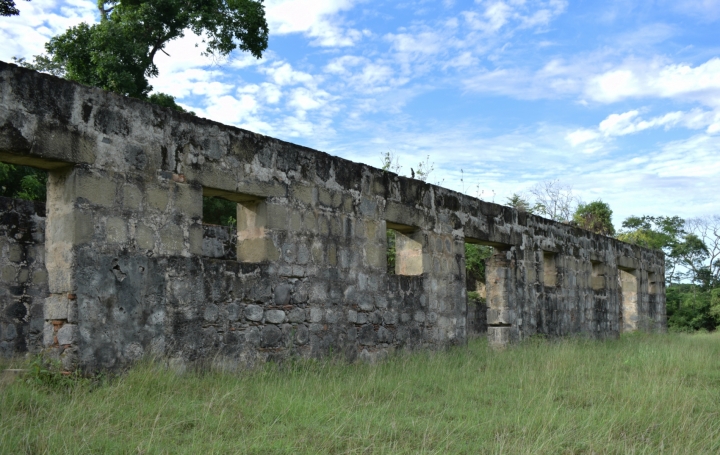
(118, 53)
(8, 8)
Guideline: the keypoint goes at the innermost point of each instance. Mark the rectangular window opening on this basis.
(476, 255)
(404, 250)
(597, 277)
(549, 269)
(234, 226)
(23, 182)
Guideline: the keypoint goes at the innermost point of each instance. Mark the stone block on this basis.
(8, 274)
(172, 239)
(132, 197)
(277, 216)
(145, 237)
(23, 275)
(99, 190)
(253, 313)
(316, 314)
(60, 307)
(158, 198)
(275, 316)
(296, 315)
(15, 253)
(195, 239)
(270, 336)
(304, 194)
(281, 295)
(211, 312)
(40, 277)
(116, 230)
(67, 334)
(188, 200)
(257, 250)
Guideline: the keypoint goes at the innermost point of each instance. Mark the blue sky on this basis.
(618, 99)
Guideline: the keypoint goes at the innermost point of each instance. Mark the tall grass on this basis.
(640, 394)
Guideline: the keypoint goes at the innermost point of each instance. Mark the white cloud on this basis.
(282, 73)
(526, 14)
(630, 122)
(303, 99)
(642, 79)
(581, 136)
(318, 19)
(39, 20)
(420, 43)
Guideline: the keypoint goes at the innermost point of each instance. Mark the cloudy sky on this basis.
(618, 99)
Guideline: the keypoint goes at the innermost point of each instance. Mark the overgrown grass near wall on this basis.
(640, 394)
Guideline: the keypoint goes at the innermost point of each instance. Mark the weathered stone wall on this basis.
(133, 271)
(23, 278)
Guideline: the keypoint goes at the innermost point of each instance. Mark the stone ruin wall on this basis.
(23, 278)
(132, 271)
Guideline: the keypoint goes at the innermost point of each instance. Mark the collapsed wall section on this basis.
(134, 270)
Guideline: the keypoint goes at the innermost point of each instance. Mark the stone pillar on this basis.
(628, 301)
(71, 194)
(501, 316)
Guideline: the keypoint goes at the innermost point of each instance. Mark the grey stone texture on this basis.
(134, 270)
(23, 276)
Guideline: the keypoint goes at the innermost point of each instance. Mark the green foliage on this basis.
(691, 307)
(639, 394)
(473, 295)
(475, 256)
(165, 100)
(22, 182)
(521, 204)
(694, 305)
(219, 211)
(118, 53)
(656, 232)
(595, 217)
(47, 373)
(424, 169)
(8, 8)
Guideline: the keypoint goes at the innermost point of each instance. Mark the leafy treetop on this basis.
(118, 53)
(8, 8)
(596, 217)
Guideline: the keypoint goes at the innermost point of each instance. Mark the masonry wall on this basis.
(23, 278)
(133, 271)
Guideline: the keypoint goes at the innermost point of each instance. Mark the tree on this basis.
(596, 217)
(707, 229)
(22, 182)
(554, 200)
(8, 8)
(657, 232)
(118, 53)
(519, 203)
(692, 250)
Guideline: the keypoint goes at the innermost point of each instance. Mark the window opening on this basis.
(476, 255)
(234, 226)
(23, 182)
(404, 250)
(549, 268)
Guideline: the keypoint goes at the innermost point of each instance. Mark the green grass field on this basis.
(640, 394)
